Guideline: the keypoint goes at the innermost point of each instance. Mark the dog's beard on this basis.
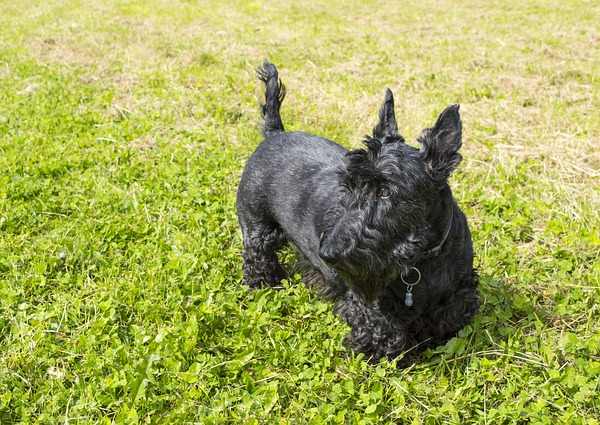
(368, 277)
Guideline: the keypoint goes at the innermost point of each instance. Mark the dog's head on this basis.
(394, 200)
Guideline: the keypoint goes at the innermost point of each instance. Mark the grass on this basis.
(124, 127)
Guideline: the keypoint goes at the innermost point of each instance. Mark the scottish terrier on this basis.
(379, 225)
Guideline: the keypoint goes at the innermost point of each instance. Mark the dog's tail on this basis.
(274, 95)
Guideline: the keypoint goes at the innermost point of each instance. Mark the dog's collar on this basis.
(435, 251)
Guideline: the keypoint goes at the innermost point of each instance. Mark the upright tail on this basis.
(274, 95)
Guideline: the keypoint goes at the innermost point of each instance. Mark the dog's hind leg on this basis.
(261, 242)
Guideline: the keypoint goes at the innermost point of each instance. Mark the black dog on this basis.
(378, 225)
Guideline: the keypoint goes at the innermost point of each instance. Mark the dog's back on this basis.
(288, 169)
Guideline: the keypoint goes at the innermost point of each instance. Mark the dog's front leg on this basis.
(373, 333)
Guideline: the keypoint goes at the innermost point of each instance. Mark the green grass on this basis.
(124, 127)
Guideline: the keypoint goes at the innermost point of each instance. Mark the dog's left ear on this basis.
(387, 127)
(440, 144)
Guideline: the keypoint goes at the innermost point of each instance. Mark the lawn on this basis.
(124, 127)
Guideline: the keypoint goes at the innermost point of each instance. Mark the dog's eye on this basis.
(383, 193)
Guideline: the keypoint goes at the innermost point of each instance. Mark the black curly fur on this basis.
(360, 220)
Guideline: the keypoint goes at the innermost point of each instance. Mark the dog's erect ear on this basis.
(440, 144)
(386, 127)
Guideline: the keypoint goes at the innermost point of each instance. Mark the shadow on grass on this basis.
(505, 316)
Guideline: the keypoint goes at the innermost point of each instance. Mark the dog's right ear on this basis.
(387, 127)
(440, 144)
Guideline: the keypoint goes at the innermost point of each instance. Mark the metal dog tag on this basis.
(408, 299)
